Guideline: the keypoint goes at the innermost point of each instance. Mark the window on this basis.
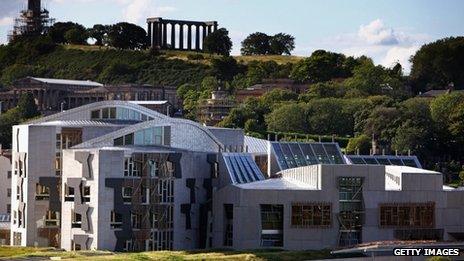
(145, 195)
(52, 219)
(86, 194)
(105, 113)
(112, 113)
(58, 164)
(15, 217)
(135, 221)
(95, 115)
(119, 141)
(131, 168)
(127, 194)
(166, 191)
(18, 192)
(272, 225)
(228, 224)
(129, 139)
(116, 220)
(8, 208)
(407, 215)
(153, 168)
(76, 221)
(42, 192)
(8, 192)
(68, 193)
(8, 173)
(311, 215)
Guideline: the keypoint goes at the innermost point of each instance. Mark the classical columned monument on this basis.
(183, 35)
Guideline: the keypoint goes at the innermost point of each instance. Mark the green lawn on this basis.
(46, 253)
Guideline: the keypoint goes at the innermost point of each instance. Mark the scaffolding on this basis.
(32, 22)
(351, 213)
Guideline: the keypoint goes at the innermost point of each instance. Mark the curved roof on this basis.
(83, 113)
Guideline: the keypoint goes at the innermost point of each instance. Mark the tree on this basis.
(321, 66)
(218, 42)
(225, 68)
(382, 124)
(323, 90)
(282, 44)
(361, 144)
(26, 106)
(127, 36)
(256, 44)
(438, 64)
(58, 30)
(99, 33)
(76, 36)
(287, 118)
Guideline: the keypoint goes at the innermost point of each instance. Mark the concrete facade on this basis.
(117, 176)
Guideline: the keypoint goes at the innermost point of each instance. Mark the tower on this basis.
(31, 22)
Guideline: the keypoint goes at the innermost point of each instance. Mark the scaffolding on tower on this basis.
(31, 22)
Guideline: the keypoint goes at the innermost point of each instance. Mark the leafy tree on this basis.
(443, 107)
(324, 90)
(99, 32)
(373, 80)
(361, 144)
(438, 64)
(321, 66)
(7, 120)
(282, 44)
(26, 106)
(127, 36)
(218, 42)
(382, 124)
(457, 121)
(118, 72)
(287, 118)
(256, 44)
(16, 71)
(58, 31)
(225, 68)
(76, 36)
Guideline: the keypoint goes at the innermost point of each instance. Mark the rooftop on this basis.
(67, 82)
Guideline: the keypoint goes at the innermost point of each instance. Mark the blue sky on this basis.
(387, 31)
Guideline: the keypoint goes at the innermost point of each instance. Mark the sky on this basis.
(387, 31)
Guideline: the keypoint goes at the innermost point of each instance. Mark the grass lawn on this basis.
(27, 253)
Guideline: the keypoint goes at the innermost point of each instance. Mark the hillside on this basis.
(109, 65)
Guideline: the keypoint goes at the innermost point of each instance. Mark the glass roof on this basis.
(242, 168)
(410, 161)
(296, 154)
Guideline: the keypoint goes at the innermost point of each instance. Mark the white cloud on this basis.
(136, 11)
(376, 33)
(385, 45)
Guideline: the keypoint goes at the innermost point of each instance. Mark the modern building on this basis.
(114, 175)
(5, 195)
(54, 95)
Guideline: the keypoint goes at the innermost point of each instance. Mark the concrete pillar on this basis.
(181, 37)
(204, 34)
(165, 35)
(160, 35)
(173, 36)
(150, 37)
(197, 37)
(189, 37)
(210, 27)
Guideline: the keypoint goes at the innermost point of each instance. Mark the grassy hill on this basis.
(29, 253)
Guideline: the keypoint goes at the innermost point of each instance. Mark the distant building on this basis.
(436, 93)
(214, 110)
(52, 95)
(268, 85)
(31, 22)
(5, 195)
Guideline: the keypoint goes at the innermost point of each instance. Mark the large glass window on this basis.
(308, 215)
(150, 136)
(272, 225)
(408, 215)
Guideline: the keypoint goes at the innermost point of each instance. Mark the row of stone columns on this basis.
(158, 33)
